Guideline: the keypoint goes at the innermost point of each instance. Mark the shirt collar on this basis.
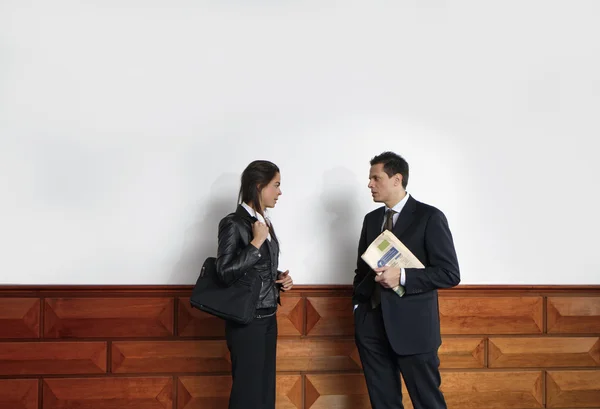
(400, 205)
(254, 213)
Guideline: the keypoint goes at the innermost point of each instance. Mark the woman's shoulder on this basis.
(236, 219)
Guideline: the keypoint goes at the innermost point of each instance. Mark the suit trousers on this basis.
(382, 366)
(253, 349)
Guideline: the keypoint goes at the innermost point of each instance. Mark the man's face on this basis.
(383, 188)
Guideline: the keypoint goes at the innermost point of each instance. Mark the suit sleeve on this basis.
(441, 269)
(362, 269)
(233, 262)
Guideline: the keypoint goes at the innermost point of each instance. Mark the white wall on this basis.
(124, 127)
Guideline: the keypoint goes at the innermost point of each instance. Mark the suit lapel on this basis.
(405, 218)
(243, 213)
(374, 228)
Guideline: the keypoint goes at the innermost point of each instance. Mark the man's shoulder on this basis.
(373, 214)
(427, 209)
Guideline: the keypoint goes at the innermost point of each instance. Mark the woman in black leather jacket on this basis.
(249, 251)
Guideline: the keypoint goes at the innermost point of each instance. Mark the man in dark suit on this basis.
(401, 335)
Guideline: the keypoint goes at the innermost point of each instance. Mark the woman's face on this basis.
(271, 192)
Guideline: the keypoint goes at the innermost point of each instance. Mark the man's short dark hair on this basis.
(392, 164)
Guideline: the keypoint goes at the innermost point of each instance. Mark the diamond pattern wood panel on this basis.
(129, 347)
(306, 354)
(170, 356)
(329, 316)
(493, 390)
(580, 315)
(290, 316)
(539, 352)
(462, 390)
(491, 315)
(108, 393)
(19, 393)
(462, 353)
(573, 389)
(212, 392)
(348, 391)
(19, 318)
(108, 317)
(37, 358)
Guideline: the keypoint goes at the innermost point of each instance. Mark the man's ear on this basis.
(398, 179)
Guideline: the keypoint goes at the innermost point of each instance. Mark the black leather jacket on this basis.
(237, 259)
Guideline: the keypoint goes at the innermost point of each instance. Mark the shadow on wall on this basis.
(200, 239)
(335, 255)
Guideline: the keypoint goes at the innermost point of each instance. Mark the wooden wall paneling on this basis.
(495, 352)
(491, 315)
(170, 356)
(19, 318)
(195, 323)
(348, 391)
(329, 315)
(108, 317)
(212, 392)
(108, 393)
(19, 393)
(493, 390)
(573, 389)
(38, 358)
(524, 352)
(298, 355)
(290, 316)
(462, 352)
(576, 315)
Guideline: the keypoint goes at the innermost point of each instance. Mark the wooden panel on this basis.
(19, 318)
(290, 316)
(108, 317)
(28, 358)
(195, 323)
(573, 389)
(329, 316)
(544, 352)
(19, 393)
(347, 391)
(170, 356)
(463, 390)
(577, 315)
(491, 315)
(492, 390)
(212, 392)
(108, 393)
(317, 355)
(462, 353)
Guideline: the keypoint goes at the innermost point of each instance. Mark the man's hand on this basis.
(388, 277)
(285, 280)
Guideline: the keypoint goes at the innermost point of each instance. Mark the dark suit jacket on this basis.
(412, 322)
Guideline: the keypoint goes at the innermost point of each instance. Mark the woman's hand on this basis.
(285, 280)
(260, 231)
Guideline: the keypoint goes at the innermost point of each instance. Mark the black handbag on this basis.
(236, 302)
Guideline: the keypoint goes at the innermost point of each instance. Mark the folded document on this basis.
(387, 250)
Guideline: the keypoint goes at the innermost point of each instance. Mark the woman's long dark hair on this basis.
(255, 177)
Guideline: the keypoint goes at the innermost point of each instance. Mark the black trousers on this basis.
(253, 350)
(382, 366)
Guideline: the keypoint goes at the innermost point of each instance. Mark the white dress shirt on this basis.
(398, 208)
(259, 216)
